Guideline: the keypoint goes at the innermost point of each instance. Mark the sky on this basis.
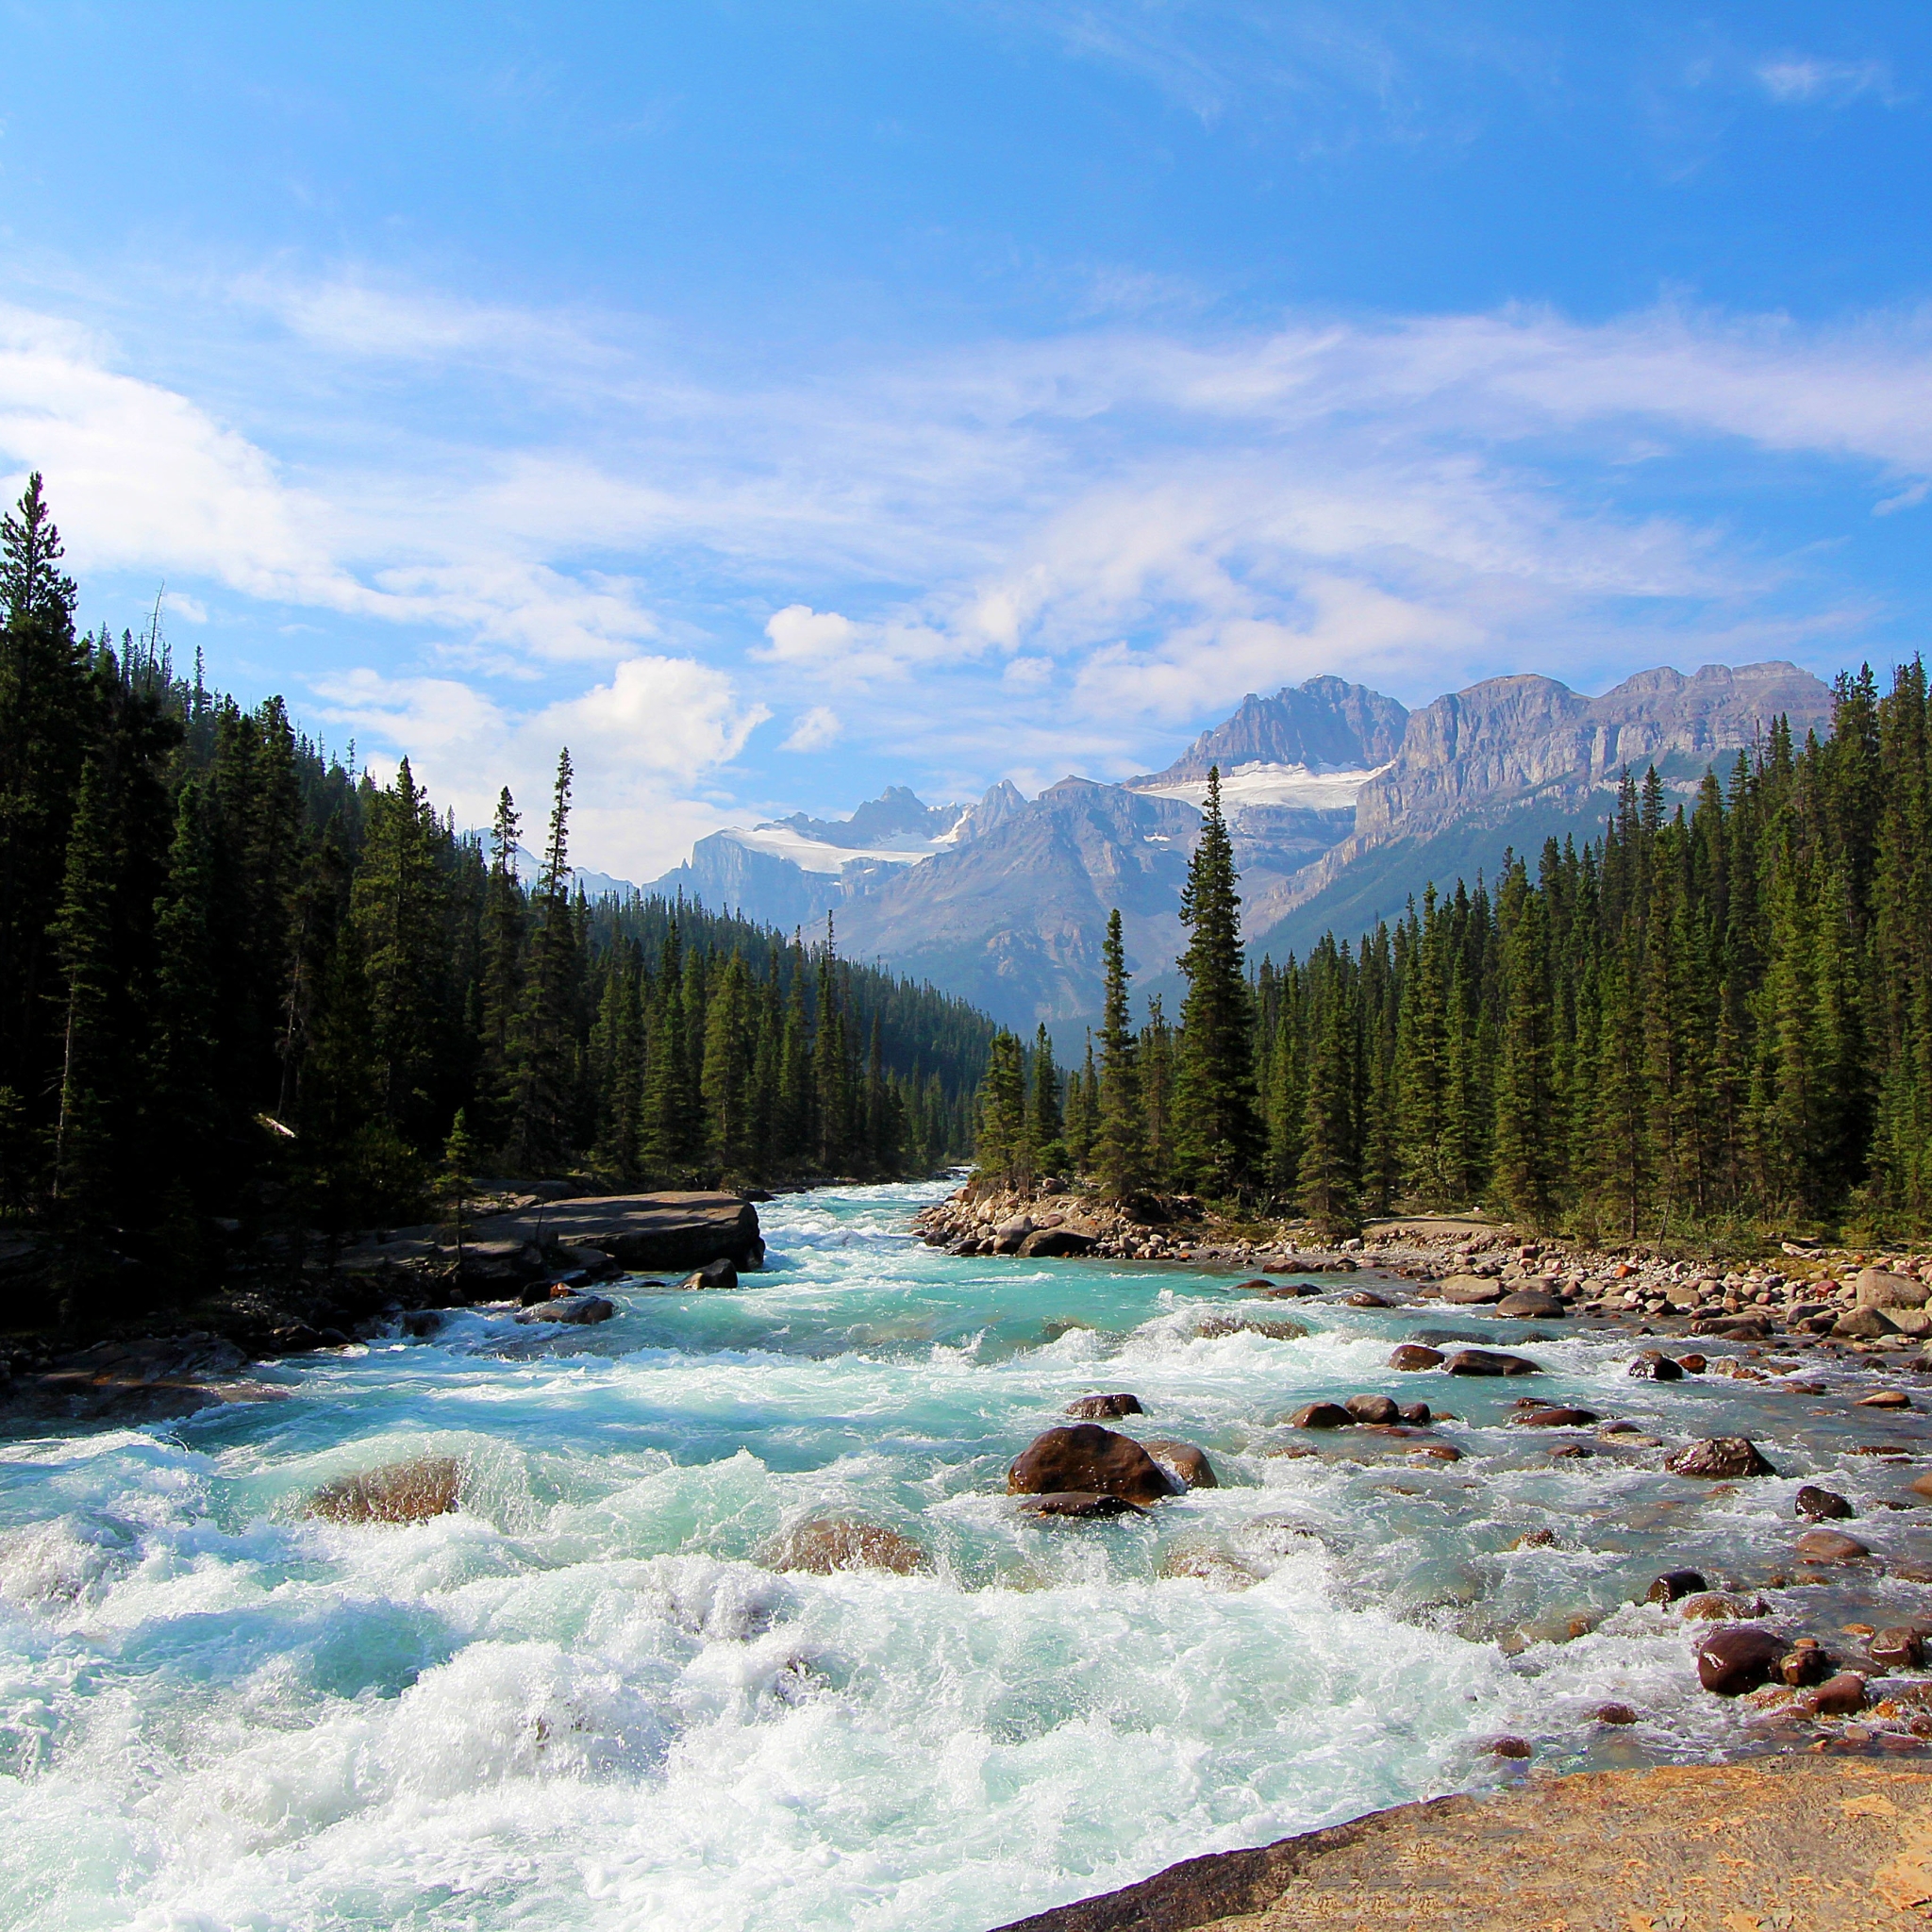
(775, 402)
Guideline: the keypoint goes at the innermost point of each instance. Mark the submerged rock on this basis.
(1321, 1415)
(1674, 1585)
(1830, 1546)
(1823, 1505)
(1211, 1327)
(1720, 1606)
(1738, 1658)
(1653, 1365)
(1485, 1361)
(826, 1544)
(580, 1309)
(1182, 1460)
(1087, 1459)
(1094, 1407)
(1555, 1417)
(402, 1492)
(1719, 1459)
(1613, 1714)
(1078, 1504)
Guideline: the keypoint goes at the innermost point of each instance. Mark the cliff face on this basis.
(1325, 724)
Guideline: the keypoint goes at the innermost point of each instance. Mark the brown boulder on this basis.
(1674, 1585)
(1719, 1459)
(1738, 1658)
(1416, 1412)
(1471, 1291)
(1886, 1398)
(1080, 1505)
(1087, 1459)
(1554, 1418)
(1096, 1408)
(402, 1492)
(1372, 1409)
(1614, 1714)
(1048, 1243)
(1838, 1696)
(1485, 1361)
(1721, 1606)
(1212, 1327)
(1530, 1303)
(1653, 1365)
(1321, 1415)
(1876, 1287)
(1412, 1355)
(1510, 1747)
(1184, 1462)
(1823, 1505)
(1806, 1663)
(1830, 1546)
(1361, 1298)
(1899, 1647)
(826, 1544)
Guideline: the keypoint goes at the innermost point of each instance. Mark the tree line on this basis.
(241, 983)
(1717, 1013)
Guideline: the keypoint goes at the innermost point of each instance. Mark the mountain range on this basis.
(1342, 806)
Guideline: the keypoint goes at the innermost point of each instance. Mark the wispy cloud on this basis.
(1807, 80)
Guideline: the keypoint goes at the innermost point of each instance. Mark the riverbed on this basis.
(582, 1700)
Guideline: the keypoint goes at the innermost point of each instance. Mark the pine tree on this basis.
(1119, 1140)
(1217, 1135)
(1002, 1151)
(727, 1070)
(541, 1038)
(90, 1101)
(1328, 1163)
(1047, 1126)
(1083, 1112)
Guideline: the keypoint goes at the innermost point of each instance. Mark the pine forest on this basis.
(246, 990)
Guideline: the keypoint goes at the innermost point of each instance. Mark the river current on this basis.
(580, 1699)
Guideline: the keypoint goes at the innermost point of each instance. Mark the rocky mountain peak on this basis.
(1323, 724)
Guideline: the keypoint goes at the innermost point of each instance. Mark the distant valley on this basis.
(1343, 805)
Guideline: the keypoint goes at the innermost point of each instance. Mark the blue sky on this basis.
(778, 401)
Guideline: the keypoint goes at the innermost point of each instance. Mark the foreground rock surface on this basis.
(668, 1230)
(147, 1381)
(1847, 1841)
(1088, 1459)
(403, 1492)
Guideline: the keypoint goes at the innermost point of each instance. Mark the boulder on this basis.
(1823, 1505)
(1863, 1325)
(1484, 1361)
(1416, 1412)
(1838, 1696)
(1182, 1460)
(1321, 1415)
(1721, 1606)
(1212, 1327)
(1258, 1284)
(1737, 1659)
(1087, 1459)
(1079, 1504)
(825, 1545)
(1554, 1418)
(1530, 1303)
(1899, 1647)
(1613, 1714)
(1719, 1459)
(134, 1382)
(1093, 1409)
(1471, 1291)
(1674, 1585)
(642, 1231)
(1886, 1398)
(578, 1309)
(1922, 1485)
(1806, 1663)
(1016, 1228)
(1372, 1409)
(1830, 1546)
(1876, 1287)
(1692, 1364)
(401, 1492)
(1412, 1355)
(1361, 1298)
(1653, 1365)
(721, 1273)
(1510, 1747)
(1050, 1243)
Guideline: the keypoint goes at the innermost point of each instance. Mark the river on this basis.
(579, 1701)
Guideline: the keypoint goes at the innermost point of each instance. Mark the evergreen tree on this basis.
(543, 1037)
(1003, 1140)
(1047, 1125)
(1120, 1152)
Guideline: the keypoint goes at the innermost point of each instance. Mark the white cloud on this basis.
(1805, 80)
(817, 728)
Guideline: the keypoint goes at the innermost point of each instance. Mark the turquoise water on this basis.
(580, 1701)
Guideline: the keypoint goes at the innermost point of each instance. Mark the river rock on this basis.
(1861, 1324)
(1093, 1409)
(642, 1231)
(1721, 1606)
(1182, 1460)
(1081, 1504)
(722, 1273)
(1372, 1409)
(1416, 1412)
(1653, 1365)
(1838, 1696)
(1830, 1546)
(1877, 1288)
(1692, 1364)
(1412, 1355)
(1899, 1647)
(1614, 1714)
(1720, 1458)
(1530, 1303)
(1674, 1585)
(1051, 1244)
(1823, 1505)
(401, 1492)
(1922, 1485)
(1886, 1398)
(825, 1545)
(1471, 1291)
(1361, 1298)
(1554, 1418)
(1321, 1415)
(1737, 1659)
(1485, 1361)
(1806, 1662)
(1510, 1747)
(1087, 1459)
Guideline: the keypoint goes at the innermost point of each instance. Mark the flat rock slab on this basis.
(1813, 1844)
(147, 1381)
(674, 1230)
